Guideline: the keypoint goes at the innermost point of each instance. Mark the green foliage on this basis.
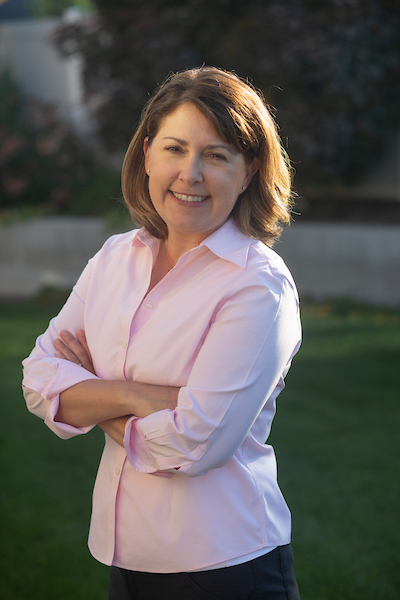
(336, 439)
(44, 165)
(55, 8)
(331, 68)
(99, 196)
(102, 196)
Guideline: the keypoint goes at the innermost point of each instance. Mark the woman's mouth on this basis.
(187, 198)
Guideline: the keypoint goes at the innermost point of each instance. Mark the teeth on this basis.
(187, 198)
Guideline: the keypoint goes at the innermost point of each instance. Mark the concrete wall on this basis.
(46, 252)
(360, 262)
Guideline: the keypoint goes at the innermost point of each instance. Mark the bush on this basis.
(43, 161)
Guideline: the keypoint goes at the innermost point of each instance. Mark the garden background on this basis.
(331, 71)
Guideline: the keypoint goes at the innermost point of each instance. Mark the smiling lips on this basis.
(187, 198)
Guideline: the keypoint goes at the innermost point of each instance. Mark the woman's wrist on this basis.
(115, 428)
(144, 399)
(93, 401)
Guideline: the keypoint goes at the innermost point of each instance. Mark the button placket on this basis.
(119, 462)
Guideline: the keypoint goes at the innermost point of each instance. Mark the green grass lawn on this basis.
(46, 484)
(335, 435)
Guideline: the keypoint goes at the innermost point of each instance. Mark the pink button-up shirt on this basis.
(197, 485)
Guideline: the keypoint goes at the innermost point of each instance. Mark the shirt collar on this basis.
(227, 242)
(143, 236)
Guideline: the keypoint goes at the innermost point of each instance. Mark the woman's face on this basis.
(195, 177)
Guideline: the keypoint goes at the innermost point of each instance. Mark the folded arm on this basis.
(92, 402)
(240, 366)
(60, 384)
(108, 404)
(96, 401)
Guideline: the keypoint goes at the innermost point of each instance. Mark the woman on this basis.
(175, 341)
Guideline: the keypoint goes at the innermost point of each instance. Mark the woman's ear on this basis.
(255, 163)
(251, 170)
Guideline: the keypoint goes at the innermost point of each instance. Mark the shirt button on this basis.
(149, 305)
(124, 346)
(117, 471)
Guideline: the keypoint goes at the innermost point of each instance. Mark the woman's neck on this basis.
(176, 245)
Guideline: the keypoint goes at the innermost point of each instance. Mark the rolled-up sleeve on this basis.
(45, 376)
(248, 349)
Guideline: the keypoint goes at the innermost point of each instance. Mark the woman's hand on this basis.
(74, 349)
(147, 399)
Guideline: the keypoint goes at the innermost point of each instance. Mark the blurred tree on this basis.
(42, 161)
(331, 68)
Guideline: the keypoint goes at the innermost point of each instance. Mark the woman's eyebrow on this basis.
(170, 137)
(222, 145)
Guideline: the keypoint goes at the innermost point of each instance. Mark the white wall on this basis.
(361, 262)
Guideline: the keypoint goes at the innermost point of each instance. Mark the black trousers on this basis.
(269, 577)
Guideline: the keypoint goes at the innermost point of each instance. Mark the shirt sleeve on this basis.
(46, 376)
(241, 364)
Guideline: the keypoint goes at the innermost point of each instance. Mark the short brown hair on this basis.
(241, 117)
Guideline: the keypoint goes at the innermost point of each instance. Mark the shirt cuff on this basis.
(63, 430)
(68, 374)
(138, 454)
(136, 451)
(169, 460)
(51, 376)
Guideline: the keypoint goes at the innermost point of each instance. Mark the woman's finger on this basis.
(82, 339)
(74, 346)
(75, 350)
(65, 352)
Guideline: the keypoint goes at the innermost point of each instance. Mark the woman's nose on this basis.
(191, 170)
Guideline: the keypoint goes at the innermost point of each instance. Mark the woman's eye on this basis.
(218, 156)
(173, 148)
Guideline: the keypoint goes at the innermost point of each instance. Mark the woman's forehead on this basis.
(206, 117)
